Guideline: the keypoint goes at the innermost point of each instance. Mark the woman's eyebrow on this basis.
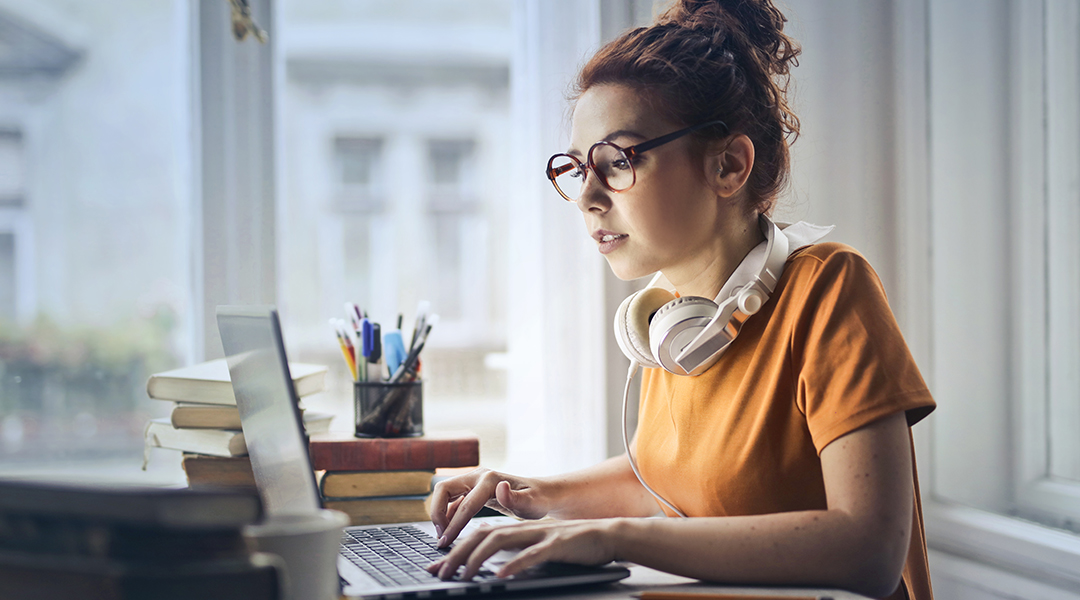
(610, 137)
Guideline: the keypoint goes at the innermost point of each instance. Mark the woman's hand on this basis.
(582, 542)
(455, 501)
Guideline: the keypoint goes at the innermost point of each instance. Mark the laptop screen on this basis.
(269, 408)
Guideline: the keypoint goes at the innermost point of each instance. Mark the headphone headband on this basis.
(742, 295)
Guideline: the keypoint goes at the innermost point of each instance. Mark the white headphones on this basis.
(687, 335)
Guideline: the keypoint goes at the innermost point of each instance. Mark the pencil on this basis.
(349, 361)
(662, 595)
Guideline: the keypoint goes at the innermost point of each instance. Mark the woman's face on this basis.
(668, 221)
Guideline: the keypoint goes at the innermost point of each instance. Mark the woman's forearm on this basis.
(607, 489)
(826, 548)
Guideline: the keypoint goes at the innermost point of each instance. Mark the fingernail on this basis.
(438, 530)
(442, 542)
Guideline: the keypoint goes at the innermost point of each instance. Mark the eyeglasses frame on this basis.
(629, 153)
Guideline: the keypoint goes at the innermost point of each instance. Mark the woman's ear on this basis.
(729, 166)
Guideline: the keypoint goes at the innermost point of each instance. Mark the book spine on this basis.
(393, 454)
(375, 511)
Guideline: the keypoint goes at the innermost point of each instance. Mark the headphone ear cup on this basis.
(675, 325)
(632, 323)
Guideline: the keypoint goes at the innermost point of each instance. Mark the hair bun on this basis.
(754, 25)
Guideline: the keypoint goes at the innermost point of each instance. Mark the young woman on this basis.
(792, 454)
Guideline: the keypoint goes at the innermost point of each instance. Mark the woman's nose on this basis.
(594, 195)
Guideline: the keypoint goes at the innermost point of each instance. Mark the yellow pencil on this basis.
(665, 595)
(349, 360)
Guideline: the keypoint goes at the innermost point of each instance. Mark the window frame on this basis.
(1001, 541)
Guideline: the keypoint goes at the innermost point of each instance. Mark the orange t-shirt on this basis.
(822, 358)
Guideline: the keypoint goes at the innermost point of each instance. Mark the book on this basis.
(375, 511)
(160, 433)
(66, 540)
(362, 484)
(141, 507)
(187, 415)
(218, 471)
(31, 576)
(342, 451)
(209, 382)
(207, 416)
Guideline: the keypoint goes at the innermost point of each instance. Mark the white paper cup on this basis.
(309, 545)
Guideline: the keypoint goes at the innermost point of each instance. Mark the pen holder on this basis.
(386, 409)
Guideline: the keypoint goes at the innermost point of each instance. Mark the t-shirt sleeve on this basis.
(853, 366)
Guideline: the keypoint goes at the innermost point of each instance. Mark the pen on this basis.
(662, 595)
(352, 311)
(413, 358)
(375, 357)
(421, 317)
(367, 345)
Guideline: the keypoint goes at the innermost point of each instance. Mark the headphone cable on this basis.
(626, 442)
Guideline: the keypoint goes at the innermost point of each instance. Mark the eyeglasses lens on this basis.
(613, 167)
(569, 176)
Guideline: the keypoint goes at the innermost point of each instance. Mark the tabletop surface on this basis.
(645, 579)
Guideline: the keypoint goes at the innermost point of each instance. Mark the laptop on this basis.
(376, 561)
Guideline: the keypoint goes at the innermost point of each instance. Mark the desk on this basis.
(645, 579)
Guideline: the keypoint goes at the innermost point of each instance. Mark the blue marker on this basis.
(367, 336)
(394, 349)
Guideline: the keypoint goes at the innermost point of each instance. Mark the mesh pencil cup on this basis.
(386, 409)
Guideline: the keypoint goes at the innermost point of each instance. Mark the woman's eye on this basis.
(621, 164)
(576, 174)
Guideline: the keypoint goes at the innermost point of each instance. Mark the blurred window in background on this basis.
(357, 226)
(95, 226)
(393, 116)
(13, 221)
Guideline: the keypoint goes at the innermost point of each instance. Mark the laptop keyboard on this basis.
(396, 555)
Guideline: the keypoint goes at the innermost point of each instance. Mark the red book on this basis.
(341, 451)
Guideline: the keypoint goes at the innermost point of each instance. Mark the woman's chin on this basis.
(627, 272)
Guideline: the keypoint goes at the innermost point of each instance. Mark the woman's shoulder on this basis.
(824, 252)
(829, 264)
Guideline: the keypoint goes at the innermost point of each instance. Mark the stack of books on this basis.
(386, 480)
(205, 424)
(124, 543)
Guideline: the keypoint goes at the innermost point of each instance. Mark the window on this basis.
(15, 256)
(12, 169)
(458, 230)
(1003, 279)
(1050, 393)
(390, 115)
(95, 227)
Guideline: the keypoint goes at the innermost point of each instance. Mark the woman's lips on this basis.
(609, 242)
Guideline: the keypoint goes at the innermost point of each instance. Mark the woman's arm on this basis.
(608, 489)
(859, 542)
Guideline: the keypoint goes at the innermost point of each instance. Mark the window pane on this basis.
(1063, 247)
(7, 277)
(95, 227)
(390, 112)
(12, 168)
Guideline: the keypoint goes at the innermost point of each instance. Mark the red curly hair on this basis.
(707, 60)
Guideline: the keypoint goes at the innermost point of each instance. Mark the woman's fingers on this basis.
(449, 564)
(529, 557)
(446, 492)
(576, 542)
(466, 508)
(503, 538)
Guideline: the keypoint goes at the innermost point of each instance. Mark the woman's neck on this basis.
(706, 273)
